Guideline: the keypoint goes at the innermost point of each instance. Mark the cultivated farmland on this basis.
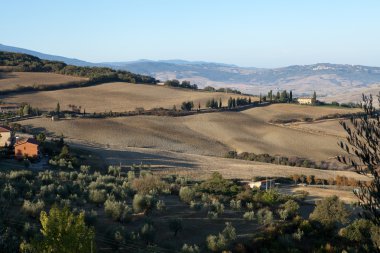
(119, 97)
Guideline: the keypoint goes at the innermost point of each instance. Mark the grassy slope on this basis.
(205, 134)
(118, 97)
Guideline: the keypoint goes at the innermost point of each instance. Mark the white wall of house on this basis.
(5, 139)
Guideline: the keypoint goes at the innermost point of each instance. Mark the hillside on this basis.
(10, 81)
(332, 82)
(119, 97)
(18, 62)
(207, 134)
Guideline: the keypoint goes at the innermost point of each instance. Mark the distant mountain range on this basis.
(331, 81)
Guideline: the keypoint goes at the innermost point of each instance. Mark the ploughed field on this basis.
(119, 97)
(14, 80)
(199, 141)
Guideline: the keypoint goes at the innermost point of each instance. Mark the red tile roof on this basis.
(27, 140)
(4, 129)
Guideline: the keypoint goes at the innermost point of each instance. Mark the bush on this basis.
(148, 232)
(358, 231)
(142, 203)
(33, 209)
(249, 216)
(175, 225)
(190, 249)
(216, 243)
(97, 196)
(148, 184)
(220, 242)
(218, 185)
(161, 205)
(235, 204)
(264, 216)
(290, 209)
(195, 205)
(118, 211)
(330, 211)
(186, 194)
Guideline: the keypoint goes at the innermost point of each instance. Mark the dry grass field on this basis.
(14, 80)
(119, 97)
(211, 134)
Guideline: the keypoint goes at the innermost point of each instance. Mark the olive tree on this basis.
(362, 147)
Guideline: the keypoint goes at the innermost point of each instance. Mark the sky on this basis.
(270, 33)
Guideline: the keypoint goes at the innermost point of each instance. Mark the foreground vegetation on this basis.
(131, 209)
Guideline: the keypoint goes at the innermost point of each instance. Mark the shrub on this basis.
(190, 248)
(330, 211)
(249, 205)
(290, 209)
(217, 207)
(270, 197)
(17, 174)
(195, 205)
(161, 205)
(357, 231)
(90, 217)
(148, 232)
(118, 211)
(148, 184)
(212, 215)
(97, 196)
(220, 242)
(33, 209)
(249, 216)
(235, 204)
(142, 203)
(264, 216)
(186, 194)
(175, 225)
(9, 192)
(298, 234)
(218, 185)
(216, 243)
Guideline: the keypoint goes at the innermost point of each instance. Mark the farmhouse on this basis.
(26, 148)
(5, 136)
(305, 100)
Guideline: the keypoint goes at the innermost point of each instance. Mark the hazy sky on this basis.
(265, 33)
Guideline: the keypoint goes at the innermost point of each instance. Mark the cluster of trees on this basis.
(225, 90)
(236, 102)
(289, 161)
(214, 104)
(24, 62)
(280, 97)
(187, 106)
(183, 84)
(338, 180)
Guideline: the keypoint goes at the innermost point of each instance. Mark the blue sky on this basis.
(247, 33)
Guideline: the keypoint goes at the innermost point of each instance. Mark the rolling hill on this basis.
(332, 82)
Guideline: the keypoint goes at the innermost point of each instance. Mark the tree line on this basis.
(29, 63)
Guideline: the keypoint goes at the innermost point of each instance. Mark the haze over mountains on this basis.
(343, 83)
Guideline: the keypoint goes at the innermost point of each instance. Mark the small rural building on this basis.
(305, 100)
(263, 184)
(27, 148)
(5, 136)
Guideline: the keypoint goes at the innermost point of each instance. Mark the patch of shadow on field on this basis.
(129, 157)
